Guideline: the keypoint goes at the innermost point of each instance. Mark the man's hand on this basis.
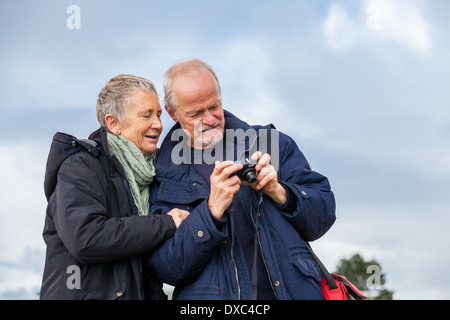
(178, 215)
(268, 178)
(223, 188)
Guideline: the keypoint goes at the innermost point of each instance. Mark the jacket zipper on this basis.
(260, 248)
(236, 271)
(232, 255)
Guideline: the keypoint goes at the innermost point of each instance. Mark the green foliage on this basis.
(366, 276)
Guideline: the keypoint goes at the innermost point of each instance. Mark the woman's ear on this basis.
(113, 124)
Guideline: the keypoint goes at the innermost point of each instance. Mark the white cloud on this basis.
(22, 197)
(22, 279)
(341, 32)
(387, 21)
(394, 104)
(402, 22)
(23, 202)
(247, 89)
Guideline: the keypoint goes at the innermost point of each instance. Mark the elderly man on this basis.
(241, 240)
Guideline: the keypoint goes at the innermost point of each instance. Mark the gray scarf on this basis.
(139, 170)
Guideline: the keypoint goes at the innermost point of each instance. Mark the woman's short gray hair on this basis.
(181, 68)
(114, 98)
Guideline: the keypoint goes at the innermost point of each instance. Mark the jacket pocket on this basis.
(307, 267)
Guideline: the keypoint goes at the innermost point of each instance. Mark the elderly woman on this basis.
(98, 225)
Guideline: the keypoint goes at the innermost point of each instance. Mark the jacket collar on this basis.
(100, 137)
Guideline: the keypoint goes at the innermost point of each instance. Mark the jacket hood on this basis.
(62, 147)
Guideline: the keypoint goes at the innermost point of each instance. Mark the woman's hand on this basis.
(178, 215)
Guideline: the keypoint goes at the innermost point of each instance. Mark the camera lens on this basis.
(249, 175)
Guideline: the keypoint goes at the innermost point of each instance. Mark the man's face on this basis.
(199, 110)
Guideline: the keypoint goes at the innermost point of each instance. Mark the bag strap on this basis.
(331, 283)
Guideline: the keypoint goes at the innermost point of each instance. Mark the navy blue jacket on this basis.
(203, 261)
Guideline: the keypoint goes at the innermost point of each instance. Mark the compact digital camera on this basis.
(247, 173)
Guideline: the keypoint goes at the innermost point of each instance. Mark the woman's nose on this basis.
(157, 124)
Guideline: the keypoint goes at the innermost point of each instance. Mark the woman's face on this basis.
(141, 121)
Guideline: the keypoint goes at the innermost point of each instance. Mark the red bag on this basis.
(342, 290)
(334, 286)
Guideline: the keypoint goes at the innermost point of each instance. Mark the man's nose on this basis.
(209, 119)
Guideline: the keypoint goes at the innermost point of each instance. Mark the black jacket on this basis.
(94, 235)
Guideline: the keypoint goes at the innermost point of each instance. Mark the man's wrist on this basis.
(278, 195)
(214, 211)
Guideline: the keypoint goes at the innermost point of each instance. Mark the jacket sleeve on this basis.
(179, 260)
(82, 221)
(314, 203)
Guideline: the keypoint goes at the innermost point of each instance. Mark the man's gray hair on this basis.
(114, 98)
(182, 68)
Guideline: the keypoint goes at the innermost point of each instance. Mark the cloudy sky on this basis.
(362, 86)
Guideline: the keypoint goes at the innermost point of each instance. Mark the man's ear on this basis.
(113, 124)
(171, 113)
